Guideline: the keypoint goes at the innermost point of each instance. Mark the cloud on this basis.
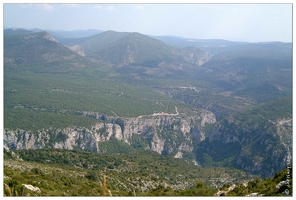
(23, 5)
(139, 7)
(37, 5)
(71, 5)
(45, 6)
(99, 7)
(108, 8)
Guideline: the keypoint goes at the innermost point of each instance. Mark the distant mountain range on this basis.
(39, 52)
(135, 52)
(258, 71)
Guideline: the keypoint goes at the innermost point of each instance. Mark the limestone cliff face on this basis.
(169, 134)
(262, 151)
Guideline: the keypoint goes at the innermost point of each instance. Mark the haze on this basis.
(236, 22)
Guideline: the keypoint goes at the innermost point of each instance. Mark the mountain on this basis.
(133, 48)
(96, 44)
(74, 37)
(68, 35)
(212, 46)
(74, 33)
(11, 31)
(248, 68)
(140, 54)
(39, 52)
(239, 78)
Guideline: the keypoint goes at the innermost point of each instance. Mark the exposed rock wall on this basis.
(261, 151)
(167, 134)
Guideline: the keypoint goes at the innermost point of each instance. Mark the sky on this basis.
(235, 22)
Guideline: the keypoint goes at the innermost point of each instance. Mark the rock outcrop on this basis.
(261, 151)
(168, 134)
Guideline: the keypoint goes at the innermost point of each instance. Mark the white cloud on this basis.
(108, 8)
(98, 7)
(71, 5)
(45, 6)
(23, 5)
(139, 7)
(37, 5)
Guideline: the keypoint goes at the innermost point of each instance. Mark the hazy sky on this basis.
(237, 22)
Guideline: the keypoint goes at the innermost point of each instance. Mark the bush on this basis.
(18, 177)
(91, 175)
(36, 171)
(15, 187)
(110, 166)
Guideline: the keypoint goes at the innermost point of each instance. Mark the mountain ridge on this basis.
(122, 48)
(40, 52)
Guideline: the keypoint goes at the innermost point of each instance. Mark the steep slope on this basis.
(80, 173)
(73, 37)
(39, 52)
(258, 141)
(167, 134)
(95, 45)
(238, 78)
(135, 49)
(243, 67)
(139, 54)
(77, 173)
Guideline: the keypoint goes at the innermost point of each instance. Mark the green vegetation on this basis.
(43, 78)
(142, 171)
(29, 119)
(52, 181)
(249, 137)
(135, 51)
(80, 173)
(46, 100)
(113, 146)
(260, 79)
(273, 110)
(278, 185)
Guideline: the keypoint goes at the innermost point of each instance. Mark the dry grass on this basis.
(104, 186)
(7, 189)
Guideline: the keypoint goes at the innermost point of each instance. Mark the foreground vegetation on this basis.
(80, 173)
(73, 172)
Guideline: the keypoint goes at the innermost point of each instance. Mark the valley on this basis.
(146, 108)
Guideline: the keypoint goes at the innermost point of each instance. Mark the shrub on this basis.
(36, 171)
(91, 175)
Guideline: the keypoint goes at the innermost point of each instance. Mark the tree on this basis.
(91, 175)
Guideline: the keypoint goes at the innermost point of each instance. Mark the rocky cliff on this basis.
(168, 134)
(259, 146)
